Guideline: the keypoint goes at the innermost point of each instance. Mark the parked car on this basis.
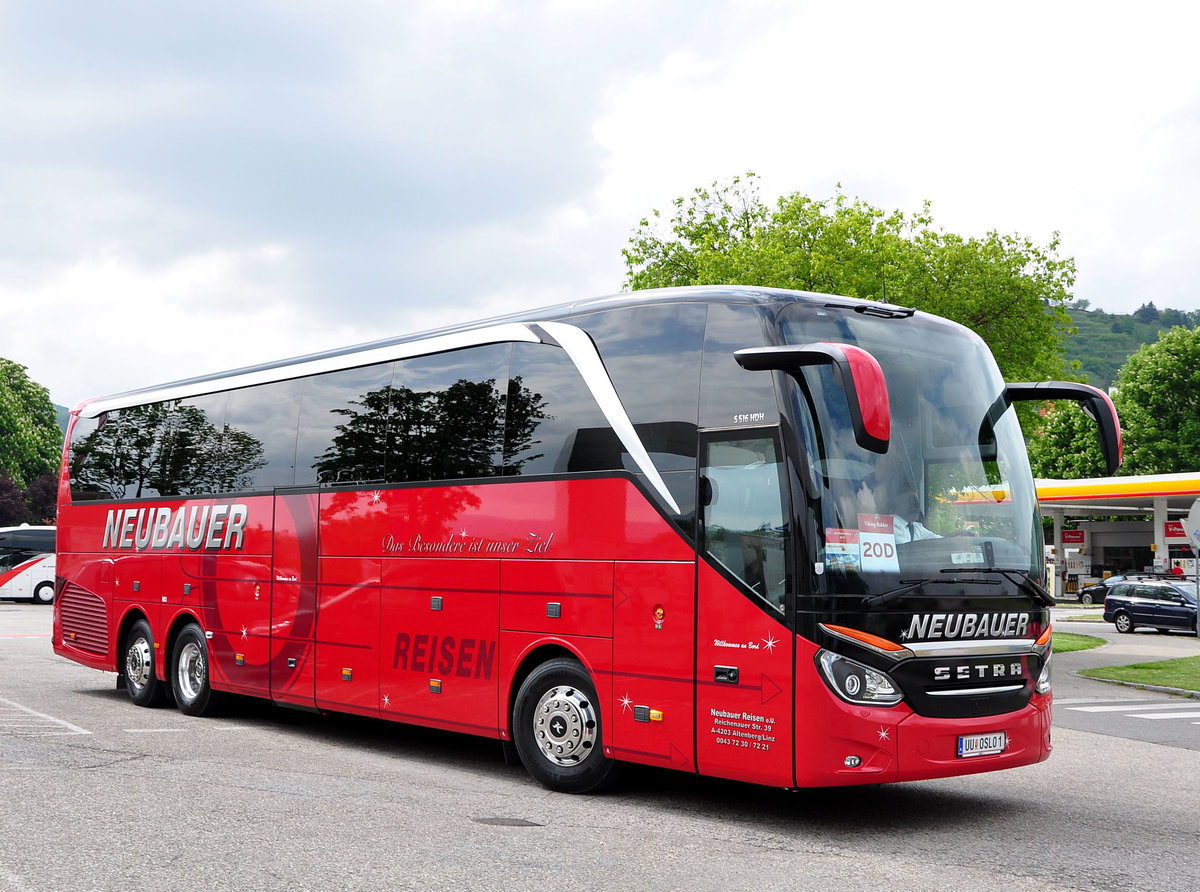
(1097, 591)
(1157, 603)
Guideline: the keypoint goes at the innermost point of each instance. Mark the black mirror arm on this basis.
(1092, 400)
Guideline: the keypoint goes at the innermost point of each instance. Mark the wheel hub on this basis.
(564, 725)
(137, 663)
(191, 671)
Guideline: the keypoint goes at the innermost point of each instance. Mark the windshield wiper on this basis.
(888, 597)
(1022, 582)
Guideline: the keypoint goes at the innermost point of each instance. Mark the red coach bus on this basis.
(772, 536)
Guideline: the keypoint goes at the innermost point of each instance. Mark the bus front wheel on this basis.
(141, 685)
(557, 731)
(44, 593)
(189, 674)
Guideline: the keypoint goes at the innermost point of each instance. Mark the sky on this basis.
(190, 187)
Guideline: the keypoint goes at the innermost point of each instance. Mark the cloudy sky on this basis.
(187, 187)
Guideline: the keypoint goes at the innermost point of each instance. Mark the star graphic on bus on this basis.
(376, 496)
(387, 701)
(770, 641)
(884, 734)
(626, 701)
(244, 636)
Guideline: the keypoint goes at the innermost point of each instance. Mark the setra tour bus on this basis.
(765, 535)
(27, 563)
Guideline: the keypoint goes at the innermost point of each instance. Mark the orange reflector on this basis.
(1044, 638)
(866, 638)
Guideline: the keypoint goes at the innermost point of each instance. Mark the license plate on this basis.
(982, 744)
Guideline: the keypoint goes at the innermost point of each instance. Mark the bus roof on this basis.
(500, 329)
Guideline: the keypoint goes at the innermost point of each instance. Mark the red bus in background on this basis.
(772, 536)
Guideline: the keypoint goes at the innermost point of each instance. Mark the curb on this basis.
(1182, 692)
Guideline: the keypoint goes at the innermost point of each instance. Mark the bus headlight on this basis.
(1043, 682)
(856, 683)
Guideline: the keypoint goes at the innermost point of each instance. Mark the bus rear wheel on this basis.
(189, 674)
(141, 685)
(557, 730)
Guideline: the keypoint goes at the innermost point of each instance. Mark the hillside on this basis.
(1105, 340)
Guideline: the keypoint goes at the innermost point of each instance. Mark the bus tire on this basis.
(143, 687)
(189, 674)
(44, 593)
(557, 730)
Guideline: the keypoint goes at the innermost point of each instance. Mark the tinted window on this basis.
(91, 456)
(343, 426)
(552, 421)
(730, 395)
(112, 456)
(193, 451)
(652, 355)
(265, 415)
(173, 448)
(18, 546)
(447, 415)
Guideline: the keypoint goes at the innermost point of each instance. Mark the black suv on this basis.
(1097, 591)
(1151, 602)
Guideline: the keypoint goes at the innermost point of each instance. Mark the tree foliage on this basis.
(30, 439)
(1067, 445)
(35, 504)
(1158, 400)
(1009, 290)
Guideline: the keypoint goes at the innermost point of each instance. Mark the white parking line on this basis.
(1165, 715)
(1132, 704)
(22, 727)
(154, 730)
(1067, 701)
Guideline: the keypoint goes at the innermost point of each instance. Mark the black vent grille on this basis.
(84, 620)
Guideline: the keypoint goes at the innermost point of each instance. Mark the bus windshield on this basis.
(952, 496)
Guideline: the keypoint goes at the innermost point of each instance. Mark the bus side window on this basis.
(552, 422)
(744, 527)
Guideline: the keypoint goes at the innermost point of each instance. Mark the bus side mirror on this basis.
(1092, 400)
(856, 370)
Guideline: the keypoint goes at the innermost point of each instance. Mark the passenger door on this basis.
(744, 647)
(294, 600)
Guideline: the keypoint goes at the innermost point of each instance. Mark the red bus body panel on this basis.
(428, 604)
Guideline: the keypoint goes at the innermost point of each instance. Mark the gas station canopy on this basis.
(1164, 496)
(1148, 494)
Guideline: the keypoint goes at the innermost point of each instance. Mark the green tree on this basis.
(30, 439)
(1009, 290)
(1146, 313)
(1066, 446)
(1158, 401)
